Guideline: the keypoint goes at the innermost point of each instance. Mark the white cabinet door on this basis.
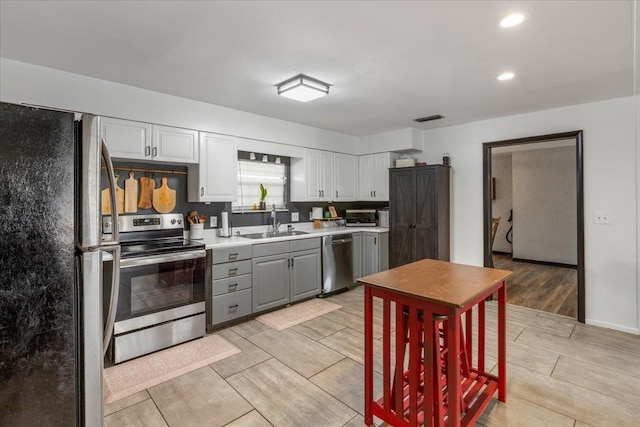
(370, 254)
(345, 177)
(381, 164)
(313, 173)
(174, 144)
(365, 167)
(126, 139)
(214, 179)
(326, 175)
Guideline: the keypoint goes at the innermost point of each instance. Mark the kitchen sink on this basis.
(271, 234)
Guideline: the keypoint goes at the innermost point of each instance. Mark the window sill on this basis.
(245, 211)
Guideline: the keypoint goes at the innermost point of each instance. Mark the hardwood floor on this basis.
(542, 287)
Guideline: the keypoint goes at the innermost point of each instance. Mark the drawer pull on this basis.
(233, 271)
(233, 308)
(233, 287)
(233, 256)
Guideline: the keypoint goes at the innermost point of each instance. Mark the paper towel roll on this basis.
(225, 224)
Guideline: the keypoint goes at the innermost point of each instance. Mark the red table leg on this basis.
(502, 342)
(368, 355)
(453, 368)
(481, 340)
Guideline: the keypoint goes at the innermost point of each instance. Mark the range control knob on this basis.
(180, 221)
(173, 221)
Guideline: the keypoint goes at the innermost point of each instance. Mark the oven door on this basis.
(157, 289)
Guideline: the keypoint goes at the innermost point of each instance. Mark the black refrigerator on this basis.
(52, 325)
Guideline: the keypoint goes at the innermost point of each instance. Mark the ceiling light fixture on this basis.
(506, 76)
(511, 20)
(302, 88)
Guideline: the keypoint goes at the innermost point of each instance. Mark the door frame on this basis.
(487, 210)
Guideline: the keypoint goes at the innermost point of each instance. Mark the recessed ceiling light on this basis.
(511, 20)
(506, 76)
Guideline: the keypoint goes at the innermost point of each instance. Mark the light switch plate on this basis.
(295, 217)
(213, 221)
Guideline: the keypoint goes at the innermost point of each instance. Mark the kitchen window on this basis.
(272, 174)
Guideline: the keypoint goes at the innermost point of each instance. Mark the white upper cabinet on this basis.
(174, 144)
(142, 141)
(374, 176)
(324, 176)
(345, 175)
(215, 178)
(126, 139)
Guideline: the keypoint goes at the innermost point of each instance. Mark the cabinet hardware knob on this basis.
(371, 193)
(319, 193)
(155, 151)
(233, 287)
(291, 262)
(233, 256)
(147, 151)
(202, 191)
(336, 193)
(233, 308)
(233, 271)
(288, 263)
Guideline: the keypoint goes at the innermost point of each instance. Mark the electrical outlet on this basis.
(213, 221)
(600, 217)
(295, 217)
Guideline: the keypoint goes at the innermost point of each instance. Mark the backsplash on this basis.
(178, 183)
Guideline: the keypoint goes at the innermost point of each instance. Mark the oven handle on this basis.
(113, 301)
(159, 259)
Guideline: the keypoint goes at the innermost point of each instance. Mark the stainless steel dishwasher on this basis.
(337, 263)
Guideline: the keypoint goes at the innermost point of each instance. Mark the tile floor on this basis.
(560, 373)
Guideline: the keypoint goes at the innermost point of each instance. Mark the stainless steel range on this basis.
(161, 297)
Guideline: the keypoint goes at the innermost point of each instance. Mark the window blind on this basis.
(250, 175)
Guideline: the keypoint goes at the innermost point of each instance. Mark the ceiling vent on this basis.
(429, 118)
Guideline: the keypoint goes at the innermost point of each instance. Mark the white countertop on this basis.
(213, 241)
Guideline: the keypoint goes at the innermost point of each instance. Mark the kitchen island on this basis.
(429, 298)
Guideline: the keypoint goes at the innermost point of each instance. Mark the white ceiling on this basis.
(388, 62)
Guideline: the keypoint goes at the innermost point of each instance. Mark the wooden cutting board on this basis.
(146, 192)
(106, 200)
(164, 198)
(131, 194)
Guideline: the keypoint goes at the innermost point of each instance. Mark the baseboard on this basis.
(500, 253)
(613, 326)
(552, 264)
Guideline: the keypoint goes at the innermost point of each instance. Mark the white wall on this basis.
(26, 83)
(611, 257)
(503, 203)
(544, 205)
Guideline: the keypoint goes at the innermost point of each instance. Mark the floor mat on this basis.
(298, 313)
(139, 374)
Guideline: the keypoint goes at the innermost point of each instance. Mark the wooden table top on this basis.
(446, 283)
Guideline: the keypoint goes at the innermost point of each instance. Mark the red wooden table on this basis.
(422, 393)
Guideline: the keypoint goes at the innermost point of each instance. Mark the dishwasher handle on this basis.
(340, 241)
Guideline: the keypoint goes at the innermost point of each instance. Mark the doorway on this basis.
(489, 186)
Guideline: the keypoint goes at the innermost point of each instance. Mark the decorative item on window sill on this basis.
(263, 196)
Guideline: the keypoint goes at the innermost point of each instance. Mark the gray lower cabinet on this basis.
(375, 252)
(291, 273)
(230, 284)
(305, 274)
(270, 281)
(357, 256)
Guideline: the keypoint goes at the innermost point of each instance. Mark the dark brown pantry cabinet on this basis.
(418, 214)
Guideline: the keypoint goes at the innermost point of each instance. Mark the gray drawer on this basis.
(231, 306)
(304, 244)
(235, 253)
(231, 284)
(231, 269)
(274, 248)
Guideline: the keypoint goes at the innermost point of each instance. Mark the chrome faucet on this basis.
(275, 225)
